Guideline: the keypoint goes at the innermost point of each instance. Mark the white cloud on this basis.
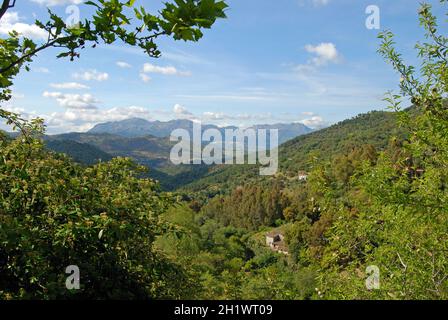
(52, 3)
(11, 106)
(145, 77)
(17, 95)
(229, 97)
(17, 110)
(73, 101)
(308, 113)
(169, 70)
(11, 22)
(41, 70)
(325, 53)
(182, 112)
(242, 118)
(316, 3)
(314, 122)
(69, 85)
(320, 2)
(92, 75)
(305, 69)
(214, 116)
(71, 120)
(310, 72)
(123, 64)
(218, 118)
(185, 58)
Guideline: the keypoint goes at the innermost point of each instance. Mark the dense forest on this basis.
(375, 197)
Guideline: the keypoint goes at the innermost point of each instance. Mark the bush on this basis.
(103, 219)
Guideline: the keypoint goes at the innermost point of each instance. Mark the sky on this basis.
(270, 61)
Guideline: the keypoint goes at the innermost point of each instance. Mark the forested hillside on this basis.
(149, 151)
(80, 152)
(375, 128)
(148, 143)
(300, 154)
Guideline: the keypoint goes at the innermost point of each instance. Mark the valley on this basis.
(147, 143)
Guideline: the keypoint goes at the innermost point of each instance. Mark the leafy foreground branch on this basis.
(113, 21)
(393, 215)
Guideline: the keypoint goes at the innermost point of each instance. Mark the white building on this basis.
(303, 176)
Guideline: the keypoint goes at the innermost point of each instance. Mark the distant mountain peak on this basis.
(106, 126)
(137, 127)
(132, 127)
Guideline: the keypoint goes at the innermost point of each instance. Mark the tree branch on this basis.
(5, 6)
(153, 36)
(28, 55)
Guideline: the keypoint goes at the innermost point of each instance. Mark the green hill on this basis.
(152, 152)
(80, 152)
(375, 128)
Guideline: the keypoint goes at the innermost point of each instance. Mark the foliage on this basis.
(250, 207)
(396, 214)
(228, 263)
(103, 219)
(376, 194)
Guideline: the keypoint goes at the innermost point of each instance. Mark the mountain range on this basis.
(136, 127)
(375, 128)
(148, 144)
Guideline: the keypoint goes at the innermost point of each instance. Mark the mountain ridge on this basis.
(137, 127)
(374, 128)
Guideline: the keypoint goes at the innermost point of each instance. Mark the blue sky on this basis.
(310, 61)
